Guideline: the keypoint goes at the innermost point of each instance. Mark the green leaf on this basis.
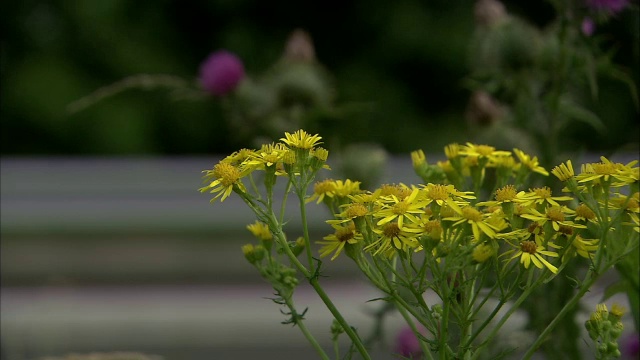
(576, 112)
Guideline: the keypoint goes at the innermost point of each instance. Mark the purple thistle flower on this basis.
(221, 72)
(588, 27)
(407, 344)
(608, 6)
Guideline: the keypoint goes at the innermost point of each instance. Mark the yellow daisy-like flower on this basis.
(391, 236)
(345, 188)
(531, 163)
(452, 150)
(301, 140)
(400, 191)
(260, 230)
(556, 215)
(268, 155)
(321, 189)
(481, 151)
(564, 171)
(408, 208)
(532, 252)
(226, 176)
(440, 193)
(238, 157)
(622, 174)
(482, 252)
(473, 217)
(635, 221)
(540, 196)
(585, 247)
(418, 159)
(344, 234)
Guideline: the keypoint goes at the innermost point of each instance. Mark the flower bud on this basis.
(299, 47)
(489, 12)
(221, 73)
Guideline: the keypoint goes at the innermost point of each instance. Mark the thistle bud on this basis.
(489, 12)
(221, 73)
(299, 47)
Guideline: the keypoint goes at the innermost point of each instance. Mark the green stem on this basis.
(305, 331)
(412, 325)
(567, 308)
(305, 230)
(516, 305)
(313, 280)
(336, 314)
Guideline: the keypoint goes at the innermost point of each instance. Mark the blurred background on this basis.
(106, 244)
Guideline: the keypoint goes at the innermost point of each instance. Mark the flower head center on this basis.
(345, 234)
(583, 211)
(226, 173)
(555, 214)
(400, 208)
(438, 192)
(566, 230)
(543, 192)
(324, 186)
(528, 246)
(485, 150)
(604, 168)
(506, 193)
(471, 214)
(391, 230)
(356, 210)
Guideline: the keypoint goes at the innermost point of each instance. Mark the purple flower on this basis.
(631, 346)
(588, 27)
(221, 72)
(407, 344)
(609, 6)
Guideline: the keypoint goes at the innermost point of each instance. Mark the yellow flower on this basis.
(400, 191)
(564, 171)
(301, 140)
(238, 157)
(394, 208)
(635, 221)
(345, 188)
(343, 235)
(440, 193)
(585, 247)
(482, 252)
(418, 159)
(268, 155)
(540, 196)
(321, 189)
(556, 215)
(260, 230)
(452, 150)
(473, 217)
(391, 236)
(531, 252)
(482, 151)
(622, 174)
(225, 176)
(531, 163)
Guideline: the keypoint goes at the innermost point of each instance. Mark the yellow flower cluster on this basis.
(533, 225)
(280, 159)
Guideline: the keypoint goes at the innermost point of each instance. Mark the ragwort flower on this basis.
(532, 252)
(344, 234)
(226, 178)
(301, 140)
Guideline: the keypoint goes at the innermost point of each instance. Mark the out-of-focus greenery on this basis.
(400, 64)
